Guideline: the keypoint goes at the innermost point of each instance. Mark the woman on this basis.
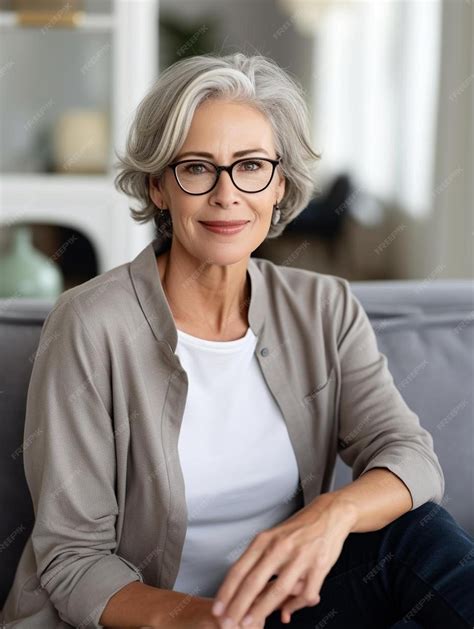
(190, 404)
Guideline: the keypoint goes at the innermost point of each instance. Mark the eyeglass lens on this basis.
(249, 175)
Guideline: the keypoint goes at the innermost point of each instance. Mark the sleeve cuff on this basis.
(94, 589)
(423, 481)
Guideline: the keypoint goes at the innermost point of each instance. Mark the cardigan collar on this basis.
(151, 296)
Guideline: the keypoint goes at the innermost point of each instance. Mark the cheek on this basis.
(187, 210)
(262, 212)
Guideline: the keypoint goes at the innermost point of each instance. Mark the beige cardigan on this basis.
(104, 408)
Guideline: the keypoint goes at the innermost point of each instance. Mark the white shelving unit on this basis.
(90, 203)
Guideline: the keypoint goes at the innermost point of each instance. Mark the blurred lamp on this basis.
(308, 14)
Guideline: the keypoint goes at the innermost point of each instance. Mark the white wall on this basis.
(442, 244)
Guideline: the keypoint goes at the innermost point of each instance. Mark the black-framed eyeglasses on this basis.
(248, 174)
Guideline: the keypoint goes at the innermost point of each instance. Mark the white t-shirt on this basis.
(239, 467)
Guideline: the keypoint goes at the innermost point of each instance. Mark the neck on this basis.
(205, 296)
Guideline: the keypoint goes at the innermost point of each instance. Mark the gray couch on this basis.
(426, 329)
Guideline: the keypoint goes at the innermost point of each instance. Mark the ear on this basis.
(154, 190)
(281, 188)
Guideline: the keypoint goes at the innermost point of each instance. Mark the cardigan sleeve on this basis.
(376, 427)
(69, 460)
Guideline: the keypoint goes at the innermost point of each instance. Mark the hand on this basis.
(302, 549)
(203, 618)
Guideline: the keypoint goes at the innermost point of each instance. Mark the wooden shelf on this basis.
(94, 22)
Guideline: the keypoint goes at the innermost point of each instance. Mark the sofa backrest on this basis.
(425, 329)
(21, 321)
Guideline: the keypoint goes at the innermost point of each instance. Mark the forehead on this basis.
(223, 126)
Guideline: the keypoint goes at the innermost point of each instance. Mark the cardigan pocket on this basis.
(319, 416)
(321, 389)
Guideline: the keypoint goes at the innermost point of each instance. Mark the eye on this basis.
(193, 168)
(255, 164)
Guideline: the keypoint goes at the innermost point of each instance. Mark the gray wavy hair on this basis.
(163, 118)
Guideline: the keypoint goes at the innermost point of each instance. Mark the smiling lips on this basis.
(224, 227)
(224, 223)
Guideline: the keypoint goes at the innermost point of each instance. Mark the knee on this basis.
(430, 515)
(409, 528)
(431, 512)
(429, 540)
(427, 526)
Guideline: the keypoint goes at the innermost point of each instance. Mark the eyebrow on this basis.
(210, 155)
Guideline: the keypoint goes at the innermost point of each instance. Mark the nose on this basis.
(224, 191)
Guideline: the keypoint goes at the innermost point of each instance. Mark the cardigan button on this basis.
(264, 351)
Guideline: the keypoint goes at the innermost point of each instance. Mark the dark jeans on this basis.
(418, 568)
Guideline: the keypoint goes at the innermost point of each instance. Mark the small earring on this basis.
(165, 227)
(276, 214)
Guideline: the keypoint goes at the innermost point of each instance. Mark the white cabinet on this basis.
(106, 62)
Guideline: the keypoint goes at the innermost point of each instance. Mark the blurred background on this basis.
(390, 92)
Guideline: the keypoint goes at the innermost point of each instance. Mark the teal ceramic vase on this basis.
(25, 271)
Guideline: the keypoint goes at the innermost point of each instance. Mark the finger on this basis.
(271, 554)
(261, 622)
(296, 590)
(310, 596)
(300, 602)
(237, 573)
(278, 591)
(255, 625)
(257, 585)
(285, 616)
